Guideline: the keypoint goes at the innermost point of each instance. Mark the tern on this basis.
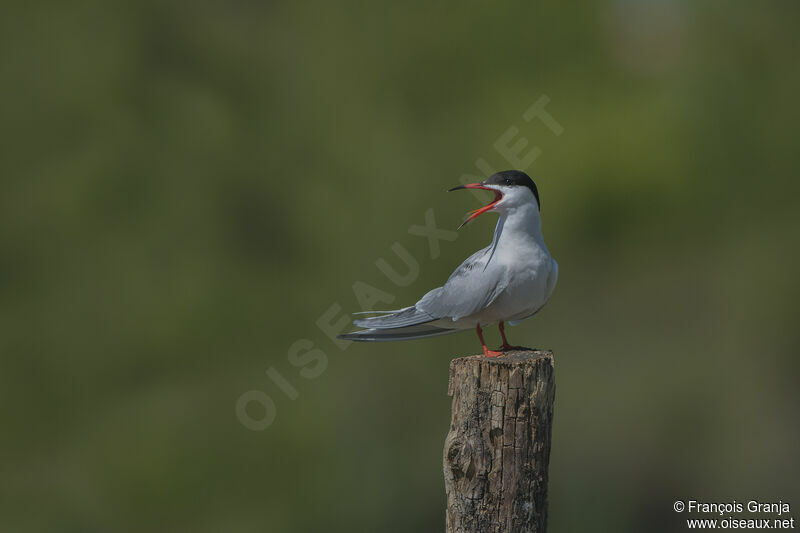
(508, 281)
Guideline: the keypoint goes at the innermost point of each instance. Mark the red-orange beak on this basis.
(488, 207)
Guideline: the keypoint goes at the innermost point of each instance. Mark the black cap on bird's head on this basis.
(512, 178)
(496, 183)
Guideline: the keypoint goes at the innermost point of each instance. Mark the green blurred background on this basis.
(188, 186)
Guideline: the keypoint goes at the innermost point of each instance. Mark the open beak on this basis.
(488, 207)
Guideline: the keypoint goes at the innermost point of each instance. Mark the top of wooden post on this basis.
(513, 358)
(520, 355)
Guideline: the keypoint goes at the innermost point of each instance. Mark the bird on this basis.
(508, 281)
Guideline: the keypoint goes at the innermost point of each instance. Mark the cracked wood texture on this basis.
(498, 448)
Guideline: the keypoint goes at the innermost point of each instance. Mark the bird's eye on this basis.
(508, 181)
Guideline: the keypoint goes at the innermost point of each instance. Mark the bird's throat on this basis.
(522, 226)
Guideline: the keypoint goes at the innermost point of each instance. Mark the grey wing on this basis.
(406, 333)
(473, 286)
(399, 318)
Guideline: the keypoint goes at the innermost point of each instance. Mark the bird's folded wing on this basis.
(407, 333)
(471, 288)
(410, 316)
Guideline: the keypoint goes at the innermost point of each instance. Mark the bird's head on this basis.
(511, 188)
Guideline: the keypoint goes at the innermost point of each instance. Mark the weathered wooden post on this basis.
(497, 451)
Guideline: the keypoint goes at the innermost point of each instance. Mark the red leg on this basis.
(486, 351)
(506, 346)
